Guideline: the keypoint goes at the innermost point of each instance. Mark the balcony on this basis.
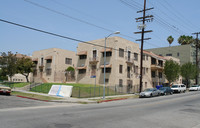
(156, 67)
(93, 60)
(129, 61)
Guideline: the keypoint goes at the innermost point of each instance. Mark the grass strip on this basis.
(34, 96)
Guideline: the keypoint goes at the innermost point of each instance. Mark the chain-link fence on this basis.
(85, 92)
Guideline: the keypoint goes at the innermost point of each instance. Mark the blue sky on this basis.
(92, 19)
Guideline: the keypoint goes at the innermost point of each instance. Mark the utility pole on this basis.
(147, 18)
(197, 50)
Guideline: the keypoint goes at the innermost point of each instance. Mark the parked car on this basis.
(178, 88)
(165, 90)
(5, 90)
(194, 88)
(149, 92)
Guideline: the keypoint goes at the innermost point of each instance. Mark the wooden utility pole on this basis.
(143, 19)
(197, 51)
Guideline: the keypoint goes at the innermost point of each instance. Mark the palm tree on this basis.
(183, 40)
(170, 39)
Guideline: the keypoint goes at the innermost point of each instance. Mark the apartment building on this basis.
(185, 53)
(157, 68)
(51, 64)
(122, 63)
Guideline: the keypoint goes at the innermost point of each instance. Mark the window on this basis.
(82, 71)
(42, 61)
(106, 80)
(169, 54)
(120, 68)
(120, 83)
(143, 57)
(68, 61)
(160, 74)
(83, 56)
(153, 61)
(143, 71)
(136, 56)
(160, 63)
(48, 71)
(49, 61)
(121, 52)
(108, 70)
(178, 54)
(107, 54)
(147, 70)
(136, 69)
(145, 84)
(153, 74)
(128, 72)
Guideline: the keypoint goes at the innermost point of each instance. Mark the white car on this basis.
(194, 88)
(178, 88)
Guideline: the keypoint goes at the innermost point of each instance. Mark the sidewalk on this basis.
(78, 100)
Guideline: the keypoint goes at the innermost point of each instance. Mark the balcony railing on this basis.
(129, 60)
(94, 59)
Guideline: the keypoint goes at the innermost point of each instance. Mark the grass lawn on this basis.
(79, 90)
(16, 85)
(34, 96)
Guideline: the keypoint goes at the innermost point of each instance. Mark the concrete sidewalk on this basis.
(76, 100)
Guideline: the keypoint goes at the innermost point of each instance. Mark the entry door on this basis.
(93, 71)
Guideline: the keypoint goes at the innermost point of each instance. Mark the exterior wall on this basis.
(19, 78)
(55, 70)
(186, 53)
(115, 60)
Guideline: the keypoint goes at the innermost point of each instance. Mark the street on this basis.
(172, 111)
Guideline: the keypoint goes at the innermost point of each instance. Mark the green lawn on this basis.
(79, 90)
(16, 85)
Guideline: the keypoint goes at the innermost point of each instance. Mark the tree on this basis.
(183, 40)
(189, 71)
(8, 64)
(170, 39)
(24, 66)
(3, 76)
(171, 70)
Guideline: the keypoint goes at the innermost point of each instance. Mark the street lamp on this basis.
(104, 74)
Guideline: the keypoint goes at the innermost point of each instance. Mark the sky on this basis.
(87, 20)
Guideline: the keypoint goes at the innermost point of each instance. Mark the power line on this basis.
(74, 18)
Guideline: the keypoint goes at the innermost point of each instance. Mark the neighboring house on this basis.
(19, 77)
(122, 63)
(51, 64)
(157, 68)
(185, 53)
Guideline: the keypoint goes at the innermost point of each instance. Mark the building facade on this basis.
(157, 69)
(122, 63)
(185, 53)
(51, 65)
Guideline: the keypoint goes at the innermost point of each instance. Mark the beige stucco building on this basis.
(50, 64)
(122, 63)
(157, 68)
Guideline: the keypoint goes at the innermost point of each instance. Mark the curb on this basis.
(112, 100)
(31, 98)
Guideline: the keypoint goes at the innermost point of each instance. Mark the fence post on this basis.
(90, 91)
(99, 91)
(79, 92)
(115, 89)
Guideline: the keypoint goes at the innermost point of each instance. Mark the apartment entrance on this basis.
(129, 86)
(93, 71)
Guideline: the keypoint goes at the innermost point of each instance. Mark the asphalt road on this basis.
(173, 111)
